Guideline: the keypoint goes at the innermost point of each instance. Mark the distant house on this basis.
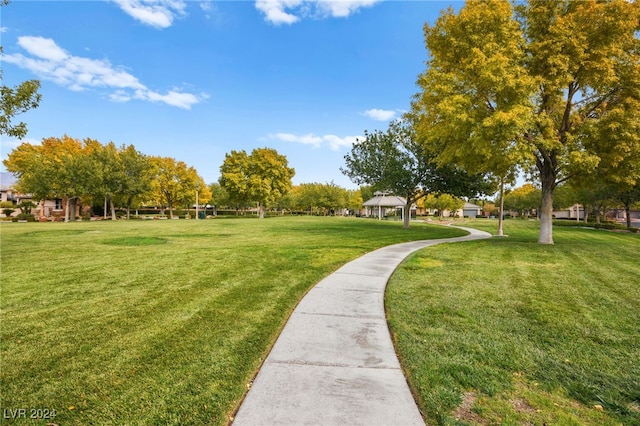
(470, 210)
(384, 203)
(46, 208)
(576, 211)
(6, 187)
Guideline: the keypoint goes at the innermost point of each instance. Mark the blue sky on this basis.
(194, 80)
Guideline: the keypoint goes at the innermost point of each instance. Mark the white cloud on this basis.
(12, 143)
(50, 62)
(380, 114)
(156, 13)
(332, 141)
(343, 8)
(207, 5)
(4, 29)
(291, 11)
(177, 99)
(43, 48)
(274, 10)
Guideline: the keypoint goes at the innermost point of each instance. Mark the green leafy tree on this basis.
(262, 177)
(32, 169)
(269, 177)
(57, 168)
(15, 101)
(531, 85)
(442, 203)
(137, 175)
(523, 199)
(355, 201)
(107, 172)
(396, 161)
(234, 178)
(392, 160)
(628, 198)
(219, 196)
(174, 182)
(321, 198)
(367, 192)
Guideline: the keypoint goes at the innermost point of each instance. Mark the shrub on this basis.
(608, 225)
(24, 216)
(26, 206)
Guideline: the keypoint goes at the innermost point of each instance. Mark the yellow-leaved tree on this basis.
(533, 86)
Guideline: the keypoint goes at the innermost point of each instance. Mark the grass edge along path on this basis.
(507, 331)
(159, 322)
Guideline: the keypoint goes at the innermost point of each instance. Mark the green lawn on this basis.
(159, 322)
(506, 331)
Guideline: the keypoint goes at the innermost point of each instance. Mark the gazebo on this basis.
(382, 202)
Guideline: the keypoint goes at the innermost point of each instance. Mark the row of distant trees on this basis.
(596, 201)
(90, 173)
(93, 174)
(321, 199)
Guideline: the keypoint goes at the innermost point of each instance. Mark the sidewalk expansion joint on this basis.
(360, 274)
(343, 315)
(330, 365)
(361, 290)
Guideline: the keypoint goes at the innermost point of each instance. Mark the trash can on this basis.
(202, 215)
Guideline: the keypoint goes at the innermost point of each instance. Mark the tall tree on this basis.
(394, 160)
(108, 172)
(262, 177)
(57, 168)
(269, 177)
(174, 182)
(33, 171)
(219, 197)
(523, 199)
(137, 175)
(321, 197)
(530, 85)
(234, 178)
(442, 202)
(354, 201)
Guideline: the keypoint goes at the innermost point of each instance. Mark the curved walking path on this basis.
(334, 362)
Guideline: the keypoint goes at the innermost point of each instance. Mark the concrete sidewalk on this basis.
(334, 362)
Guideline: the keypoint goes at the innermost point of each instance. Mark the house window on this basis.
(58, 204)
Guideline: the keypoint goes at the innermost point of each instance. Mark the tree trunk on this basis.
(546, 213)
(66, 210)
(129, 208)
(113, 211)
(104, 211)
(70, 213)
(586, 212)
(407, 214)
(627, 212)
(260, 211)
(501, 212)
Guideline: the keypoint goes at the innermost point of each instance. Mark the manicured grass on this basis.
(506, 331)
(159, 322)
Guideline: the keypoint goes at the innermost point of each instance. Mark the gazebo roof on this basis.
(384, 200)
